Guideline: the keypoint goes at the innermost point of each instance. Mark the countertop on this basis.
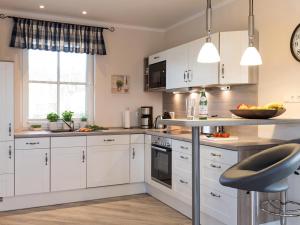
(242, 144)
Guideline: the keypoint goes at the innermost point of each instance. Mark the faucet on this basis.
(71, 127)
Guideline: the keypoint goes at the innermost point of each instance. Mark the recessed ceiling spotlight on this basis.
(42, 6)
(84, 12)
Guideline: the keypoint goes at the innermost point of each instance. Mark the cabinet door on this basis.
(32, 172)
(232, 46)
(68, 168)
(202, 74)
(137, 167)
(177, 66)
(147, 158)
(107, 165)
(7, 157)
(7, 185)
(6, 101)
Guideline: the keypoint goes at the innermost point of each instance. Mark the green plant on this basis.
(119, 84)
(67, 116)
(36, 126)
(83, 119)
(52, 117)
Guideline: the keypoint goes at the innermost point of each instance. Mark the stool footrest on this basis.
(274, 207)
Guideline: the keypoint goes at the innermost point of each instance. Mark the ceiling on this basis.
(159, 14)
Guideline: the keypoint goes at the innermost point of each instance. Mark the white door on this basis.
(202, 74)
(7, 157)
(137, 167)
(7, 185)
(6, 101)
(232, 46)
(68, 168)
(32, 171)
(107, 165)
(177, 66)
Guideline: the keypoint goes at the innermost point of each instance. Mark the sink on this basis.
(61, 131)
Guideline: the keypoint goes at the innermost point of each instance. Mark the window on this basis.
(55, 82)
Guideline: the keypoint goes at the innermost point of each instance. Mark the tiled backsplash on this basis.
(219, 103)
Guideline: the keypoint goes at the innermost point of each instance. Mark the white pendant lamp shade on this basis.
(251, 57)
(208, 54)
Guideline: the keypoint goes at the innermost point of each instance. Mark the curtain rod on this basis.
(3, 16)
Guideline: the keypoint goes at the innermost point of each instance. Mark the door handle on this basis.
(185, 76)
(215, 166)
(83, 156)
(215, 195)
(182, 157)
(223, 70)
(190, 76)
(46, 159)
(9, 129)
(183, 182)
(215, 155)
(133, 153)
(9, 152)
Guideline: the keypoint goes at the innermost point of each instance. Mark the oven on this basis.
(161, 161)
(157, 76)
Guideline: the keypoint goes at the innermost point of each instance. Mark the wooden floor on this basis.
(131, 210)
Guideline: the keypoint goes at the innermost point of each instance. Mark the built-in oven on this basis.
(161, 161)
(157, 76)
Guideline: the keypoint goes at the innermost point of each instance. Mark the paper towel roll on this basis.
(126, 119)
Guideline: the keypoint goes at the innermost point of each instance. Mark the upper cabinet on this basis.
(184, 71)
(161, 56)
(6, 101)
(232, 46)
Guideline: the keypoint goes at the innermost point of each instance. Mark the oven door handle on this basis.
(160, 149)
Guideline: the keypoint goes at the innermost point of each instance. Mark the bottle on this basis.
(126, 119)
(203, 106)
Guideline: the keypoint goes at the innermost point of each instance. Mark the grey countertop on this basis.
(242, 144)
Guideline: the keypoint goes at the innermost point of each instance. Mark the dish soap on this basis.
(203, 106)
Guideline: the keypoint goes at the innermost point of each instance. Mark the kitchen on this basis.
(126, 49)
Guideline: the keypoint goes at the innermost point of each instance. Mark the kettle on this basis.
(158, 125)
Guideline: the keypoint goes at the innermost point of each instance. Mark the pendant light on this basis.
(251, 56)
(208, 53)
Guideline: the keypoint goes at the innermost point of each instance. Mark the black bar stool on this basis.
(266, 171)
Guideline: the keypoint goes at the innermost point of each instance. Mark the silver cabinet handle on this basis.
(9, 129)
(9, 152)
(223, 71)
(185, 148)
(185, 76)
(190, 76)
(83, 156)
(215, 195)
(184, 157)
(46, 159)
(109, 140)
(215, 166)
(156, 57)
(133, 153)
(215, 155)
(183, 182)
(32, 143)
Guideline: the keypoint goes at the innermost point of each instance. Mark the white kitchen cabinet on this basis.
(137, 163)
(158, 57)
(32, 171)
(6, 101)
(68, 168)
(107, 165)
(232, 46)
(7, 157)
(147, 158)
(6, 185)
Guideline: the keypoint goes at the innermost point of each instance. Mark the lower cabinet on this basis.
(32, 171)
(68, 168)
(6, 185)
(137, 163)
(107, 165)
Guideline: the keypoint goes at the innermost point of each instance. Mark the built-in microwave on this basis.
(157, 76)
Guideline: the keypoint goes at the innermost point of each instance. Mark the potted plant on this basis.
(83, 122)
(67, 117)
(119, 84)
(52, 118)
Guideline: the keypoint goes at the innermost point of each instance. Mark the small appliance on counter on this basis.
(146, 117)
(157, 125)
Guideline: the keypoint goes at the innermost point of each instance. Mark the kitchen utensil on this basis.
(158, 125)
(257, 113)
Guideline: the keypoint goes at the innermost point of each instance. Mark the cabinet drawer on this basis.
(108, 140)
(219, 155)
(137, 139)
(65, 142)
(210, 175)
(182, 185)
(7, 185)
(218, 205)
(182, 162)
(182, 146)
(32, 143)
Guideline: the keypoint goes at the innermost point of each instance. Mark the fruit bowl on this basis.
(258, 113)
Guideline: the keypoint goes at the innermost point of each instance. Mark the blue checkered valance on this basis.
(54, 36)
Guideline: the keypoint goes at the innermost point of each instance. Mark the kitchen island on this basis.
(195, 125)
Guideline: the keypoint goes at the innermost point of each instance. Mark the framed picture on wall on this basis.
(119, 84)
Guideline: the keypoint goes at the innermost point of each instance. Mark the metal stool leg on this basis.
(254, 208)
(283, 201)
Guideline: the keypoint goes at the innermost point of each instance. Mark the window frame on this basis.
(89, 84)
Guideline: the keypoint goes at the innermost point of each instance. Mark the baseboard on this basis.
(55, 198)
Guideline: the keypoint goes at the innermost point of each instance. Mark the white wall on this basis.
(126, 50)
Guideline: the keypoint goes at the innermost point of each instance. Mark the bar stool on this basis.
(266, 171)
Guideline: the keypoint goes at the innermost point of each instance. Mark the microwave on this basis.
(157, 76)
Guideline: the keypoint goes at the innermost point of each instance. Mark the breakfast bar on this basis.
(196, 125)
